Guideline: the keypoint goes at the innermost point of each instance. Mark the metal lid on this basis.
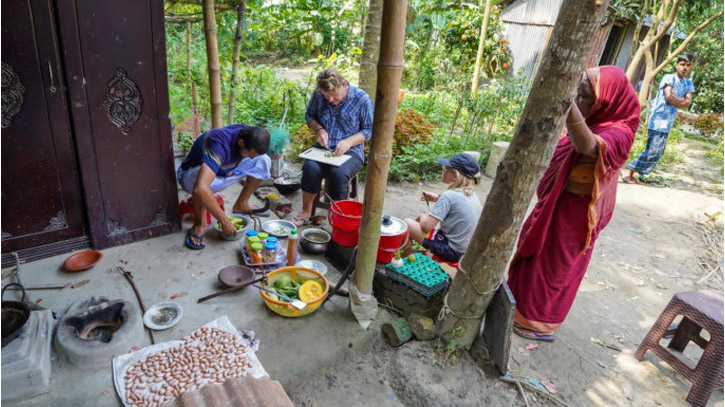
(392, 226)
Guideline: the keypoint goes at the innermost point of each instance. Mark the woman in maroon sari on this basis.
(576, 199)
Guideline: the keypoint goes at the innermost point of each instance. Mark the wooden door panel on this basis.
(41, 200)
(117, 77)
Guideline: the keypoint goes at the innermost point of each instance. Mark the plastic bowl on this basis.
(240, 232)
(83, 260)
(298, 274)
(313, 264)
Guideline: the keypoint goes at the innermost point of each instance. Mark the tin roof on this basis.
(238, 391)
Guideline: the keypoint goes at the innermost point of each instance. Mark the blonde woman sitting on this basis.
(456, 210)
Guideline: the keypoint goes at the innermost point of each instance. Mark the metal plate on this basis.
(274, 227)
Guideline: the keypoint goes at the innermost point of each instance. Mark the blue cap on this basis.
(271, 239)
(270, 246)
(251, 233)
(464, 163)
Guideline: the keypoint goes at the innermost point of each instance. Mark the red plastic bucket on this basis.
(345, 222)
(386, 254)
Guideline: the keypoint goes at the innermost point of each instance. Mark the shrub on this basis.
(411, 128)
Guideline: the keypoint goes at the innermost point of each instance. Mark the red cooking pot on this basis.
(393, 236)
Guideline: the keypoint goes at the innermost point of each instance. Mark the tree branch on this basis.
(198, 3)
(686, 41)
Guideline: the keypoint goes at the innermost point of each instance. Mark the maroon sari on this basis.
(556, 240)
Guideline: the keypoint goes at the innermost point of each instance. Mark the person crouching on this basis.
(447, 228)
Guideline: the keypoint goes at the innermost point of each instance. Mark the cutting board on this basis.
(318, 154)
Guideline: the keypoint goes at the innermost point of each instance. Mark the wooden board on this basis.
(318, 154)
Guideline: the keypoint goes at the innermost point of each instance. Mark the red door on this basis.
(41, 199)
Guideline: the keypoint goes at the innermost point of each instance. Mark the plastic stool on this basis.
(700, 310)
(186, 207)
(439, 260)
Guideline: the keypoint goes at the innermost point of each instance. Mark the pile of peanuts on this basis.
(208, 355)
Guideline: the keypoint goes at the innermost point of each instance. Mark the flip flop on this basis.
(252, 212)
(299, 221)
(190, 243)
(532, 335)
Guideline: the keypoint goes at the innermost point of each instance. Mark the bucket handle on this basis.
(2, 294)
(405, 242)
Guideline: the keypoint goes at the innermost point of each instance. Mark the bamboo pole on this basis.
(212, 55)
(235, 59)
(479, 53)
(390, 68)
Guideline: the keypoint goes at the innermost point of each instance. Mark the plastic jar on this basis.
(263, 236)
(250, 241)
(257, 255)
(270, 252)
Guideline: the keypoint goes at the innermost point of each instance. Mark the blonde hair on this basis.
(329, 80)
(463, 183)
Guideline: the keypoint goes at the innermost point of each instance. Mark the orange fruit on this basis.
(463, 37)
(505, 65)
(310, 291)
(503, 41)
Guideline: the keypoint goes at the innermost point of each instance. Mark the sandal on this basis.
(532, 335)
(300, 221)
(256, 212)
(190, 243)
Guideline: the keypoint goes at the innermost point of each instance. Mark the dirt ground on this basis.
(661, 240)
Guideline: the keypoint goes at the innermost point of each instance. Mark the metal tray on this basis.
(281, 257)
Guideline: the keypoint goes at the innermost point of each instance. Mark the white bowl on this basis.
(318, 266)
(163, 315)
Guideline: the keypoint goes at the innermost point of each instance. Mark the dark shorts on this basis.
(438, 245)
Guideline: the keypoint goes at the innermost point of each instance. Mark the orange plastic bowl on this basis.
(83, 260)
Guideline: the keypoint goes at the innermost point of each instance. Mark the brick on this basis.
(423, 328)
(397, 332)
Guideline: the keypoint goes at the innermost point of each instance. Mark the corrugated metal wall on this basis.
(532, 11)
(527, 44)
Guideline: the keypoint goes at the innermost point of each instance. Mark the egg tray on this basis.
(424, 275)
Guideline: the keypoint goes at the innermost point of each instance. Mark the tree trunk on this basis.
(212, 56)
(479, 53)
(650, 74)
(368, 76)
(484, 264)
(390, 69)
(638, 29)
(655, 33)
(235, 59)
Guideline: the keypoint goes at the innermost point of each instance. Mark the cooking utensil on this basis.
(299, 304)
(240, 232)
(231, 289)
(314, 241)
(235, 274)
(273, 227)
(332, 201)
(316, 265)
(14, 315)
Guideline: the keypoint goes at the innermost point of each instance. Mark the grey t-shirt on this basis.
(458, 215)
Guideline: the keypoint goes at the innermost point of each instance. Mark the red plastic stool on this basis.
(186, 207)
(439, 260)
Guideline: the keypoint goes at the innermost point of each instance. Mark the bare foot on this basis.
(301, 219)
(631, 180)
(197, 236)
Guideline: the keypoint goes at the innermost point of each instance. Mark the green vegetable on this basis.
(283, 282)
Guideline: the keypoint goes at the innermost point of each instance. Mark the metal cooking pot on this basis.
(314, 241)
(14, 316)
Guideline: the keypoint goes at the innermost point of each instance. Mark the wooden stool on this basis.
(186, 207)
(700, 310)
(322, 202)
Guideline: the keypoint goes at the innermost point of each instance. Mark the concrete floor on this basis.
(164, 269)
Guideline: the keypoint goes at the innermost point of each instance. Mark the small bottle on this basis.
(263, 237)
(272, 239)
(292, 247)
(250, 241)
(270, 252)
(257, 256)
(249, 234)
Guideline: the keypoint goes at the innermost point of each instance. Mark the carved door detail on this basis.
(41, 198)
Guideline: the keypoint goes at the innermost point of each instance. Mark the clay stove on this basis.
(95, 330)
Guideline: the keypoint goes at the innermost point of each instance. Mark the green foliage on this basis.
(716, 154)
(185, 141)
(707, 123)
(411, 129)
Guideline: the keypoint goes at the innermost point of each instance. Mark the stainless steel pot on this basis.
(314, 241)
